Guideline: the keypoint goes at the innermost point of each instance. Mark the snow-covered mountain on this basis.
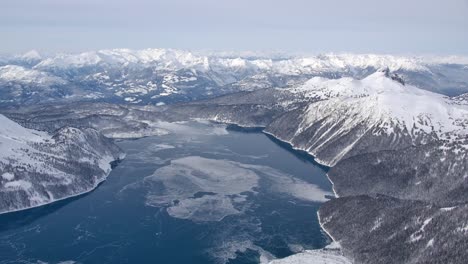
(165, 75)
(380, 105)
(180, 59)
(37, 168)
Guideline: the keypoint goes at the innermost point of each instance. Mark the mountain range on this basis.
(154, 76)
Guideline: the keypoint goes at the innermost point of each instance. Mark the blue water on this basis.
(119, 222)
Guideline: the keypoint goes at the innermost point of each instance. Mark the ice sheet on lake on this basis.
(205, 208)
(288, 184)
(189, 129)
(159, 147)
(202, 189)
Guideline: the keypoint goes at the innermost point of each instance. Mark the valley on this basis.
(392, 142)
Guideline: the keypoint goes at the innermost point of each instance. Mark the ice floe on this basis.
(203, 189)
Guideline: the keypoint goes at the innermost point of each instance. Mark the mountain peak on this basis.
(385, 71)
(31, 55)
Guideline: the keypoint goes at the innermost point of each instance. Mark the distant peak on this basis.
(385, 71)
(32, 55)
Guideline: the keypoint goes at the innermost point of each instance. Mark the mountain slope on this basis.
(37, 168)
(382, 229)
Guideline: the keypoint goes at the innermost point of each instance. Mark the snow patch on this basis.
(8, 176)
(19, 184)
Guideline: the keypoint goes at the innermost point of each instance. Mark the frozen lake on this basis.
(201, 194)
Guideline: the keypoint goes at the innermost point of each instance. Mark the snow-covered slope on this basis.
(382, 229)
(37, 168)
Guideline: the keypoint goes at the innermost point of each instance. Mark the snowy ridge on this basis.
(171, 58)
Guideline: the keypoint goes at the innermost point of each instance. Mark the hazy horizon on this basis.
(296, 26)
(459, 58)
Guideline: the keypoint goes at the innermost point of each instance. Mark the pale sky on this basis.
(421, 27)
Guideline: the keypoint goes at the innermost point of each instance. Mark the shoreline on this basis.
(319, 162)
(322, 163)
(322, 227)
